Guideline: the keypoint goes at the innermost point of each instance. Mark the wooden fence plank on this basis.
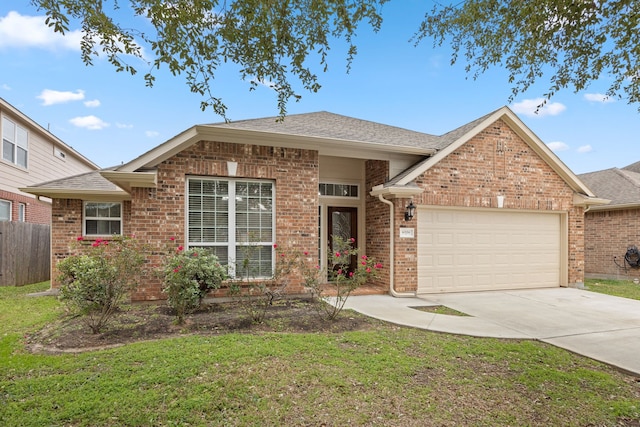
(25, 253)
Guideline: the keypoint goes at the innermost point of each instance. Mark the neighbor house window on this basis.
(102, 218)
(5, 210)
(22, 212)
(14, 143)
(234, 219)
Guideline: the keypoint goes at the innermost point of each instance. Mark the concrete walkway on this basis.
(598, 326)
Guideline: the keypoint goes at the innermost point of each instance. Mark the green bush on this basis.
(188, 276)
(341, 279)
(96, 280)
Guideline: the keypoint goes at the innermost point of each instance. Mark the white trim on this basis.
(22, 212)
(86, 218)
(232, 244)
(324, 146)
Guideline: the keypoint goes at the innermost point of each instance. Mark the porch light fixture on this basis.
(411, 210)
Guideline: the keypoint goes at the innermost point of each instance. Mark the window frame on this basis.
(333, 184)
(10, 208)
(22, 212)
(86, 218)
(233, 244)
(15, 143)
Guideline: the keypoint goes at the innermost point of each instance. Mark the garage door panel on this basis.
(466, 250)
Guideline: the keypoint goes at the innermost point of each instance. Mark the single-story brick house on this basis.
(610, 230)
(495, 208)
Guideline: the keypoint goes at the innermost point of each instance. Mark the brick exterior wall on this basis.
(496, 161)
(36, 211)
(608, 234)
(156, 215)
(377, 219)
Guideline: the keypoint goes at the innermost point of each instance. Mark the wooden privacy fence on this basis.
(25, 253)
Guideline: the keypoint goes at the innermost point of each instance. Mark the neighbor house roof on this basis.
(330, 134)
(621, 186)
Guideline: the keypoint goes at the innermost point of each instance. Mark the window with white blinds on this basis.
(234, 219)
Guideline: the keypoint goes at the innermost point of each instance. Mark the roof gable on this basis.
(456, 138)
(333, 133)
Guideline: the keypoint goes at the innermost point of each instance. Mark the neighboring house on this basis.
(29, 155)
(496, 209)
(611, 230)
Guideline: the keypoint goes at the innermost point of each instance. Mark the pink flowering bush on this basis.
(188, 276)
(341, 279)
(97, 278)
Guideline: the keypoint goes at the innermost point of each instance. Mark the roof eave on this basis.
(396, 191)
(590, 202)
(610, 207)
(129, 180)
(83, 194)
(325, 146)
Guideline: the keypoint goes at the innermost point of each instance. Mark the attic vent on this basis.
(59, 153)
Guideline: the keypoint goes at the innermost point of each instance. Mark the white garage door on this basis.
(462, 250)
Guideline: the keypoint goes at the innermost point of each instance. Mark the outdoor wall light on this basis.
(411, 210)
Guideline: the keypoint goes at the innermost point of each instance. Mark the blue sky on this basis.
(112, 117)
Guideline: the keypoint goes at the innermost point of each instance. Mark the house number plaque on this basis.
(407, 233)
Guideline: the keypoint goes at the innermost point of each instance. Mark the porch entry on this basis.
(343, 222)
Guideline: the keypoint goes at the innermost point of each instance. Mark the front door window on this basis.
(343, 223)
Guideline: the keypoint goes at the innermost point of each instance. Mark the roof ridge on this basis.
(629, 176)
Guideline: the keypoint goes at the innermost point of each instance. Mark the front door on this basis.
(343, 223)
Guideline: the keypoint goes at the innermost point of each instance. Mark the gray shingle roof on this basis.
(87, 181)
(335, 126)
(621, 186)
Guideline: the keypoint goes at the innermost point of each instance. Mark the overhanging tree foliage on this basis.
(275, 42)
(573, 42)
(272, 41)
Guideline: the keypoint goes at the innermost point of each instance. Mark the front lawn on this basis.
(619, 288)
(381, 375)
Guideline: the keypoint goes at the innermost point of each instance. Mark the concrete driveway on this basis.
(598, 326)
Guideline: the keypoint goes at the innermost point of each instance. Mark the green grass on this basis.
(390, 376)
(619, 288)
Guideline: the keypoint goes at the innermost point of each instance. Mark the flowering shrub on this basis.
(95, 280)
(188, 276)
(341, 279)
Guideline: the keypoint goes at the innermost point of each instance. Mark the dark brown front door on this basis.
(343, 223)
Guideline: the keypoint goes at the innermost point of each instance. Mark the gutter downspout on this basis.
(392, 291)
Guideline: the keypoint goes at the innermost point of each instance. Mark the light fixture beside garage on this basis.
(500, 198)
(411, 210)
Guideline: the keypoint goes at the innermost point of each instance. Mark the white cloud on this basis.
(584, 149)
(558, 146)
(151, 133)
(598, 97)
(51, 97)
(89, 122)
(123, 126)
(6, 87)
(92, 104)
(23, 31)
(528, 108)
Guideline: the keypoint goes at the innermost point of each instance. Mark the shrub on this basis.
(188, 276)
(256, 294)
(95, 281)
(339, 280)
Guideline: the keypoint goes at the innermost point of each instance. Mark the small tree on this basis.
(341, 277)
(188, 276)
(95, 281)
